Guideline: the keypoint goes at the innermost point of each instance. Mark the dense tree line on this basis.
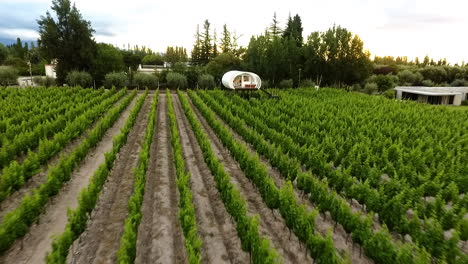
(282, 56)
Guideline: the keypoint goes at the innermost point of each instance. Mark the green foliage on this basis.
(175, 54)
(128, 241)
(16, 223)
(371, 88)
(79, 78)
(44, 81)
(108, 59)
(179, 67)
(390, 94)
(143, 80)
(246, 226)
(459, 82)
(307, 83)
(115, 79)
(221, 64)
(187, 218)
(206, 81)
(8, 76)
(384, 82)
(285, 84)
(78, 218)
(152, 59)
(176, 80)
(427, 83)
(3, 53)
(68, 39)
(275, 123)
(464, 102)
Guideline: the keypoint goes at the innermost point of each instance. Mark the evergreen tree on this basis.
(215, 46)
(68, 39)
(225, 43)
(275, 29)
(196, 51)
(206, 46)
(294, 30)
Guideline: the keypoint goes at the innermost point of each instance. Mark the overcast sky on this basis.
(397, 28)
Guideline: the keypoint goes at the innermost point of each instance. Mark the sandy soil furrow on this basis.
(272, 224)
(101, 240)
(160, 238)
(323, 224)
(220, 241)
(34, 245)
(12, 201)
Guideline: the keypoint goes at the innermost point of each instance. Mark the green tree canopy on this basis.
(69, 39)
(108, 59)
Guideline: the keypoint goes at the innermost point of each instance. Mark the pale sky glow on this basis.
(396, 28)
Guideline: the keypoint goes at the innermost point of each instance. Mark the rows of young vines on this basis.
(282, 132)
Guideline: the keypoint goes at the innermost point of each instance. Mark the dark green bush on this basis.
(79, 78)
(143, 80)
(176, 80)
(286, 84)
(8, 76)
(116, 79)
(206, 81)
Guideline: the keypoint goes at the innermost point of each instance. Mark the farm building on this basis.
(239, 80)
(433, 95)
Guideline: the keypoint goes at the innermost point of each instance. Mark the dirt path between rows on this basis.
(101, 239)
(218, 233)
(13, 201)
(272, 225)
(160, 238)
(33, 246)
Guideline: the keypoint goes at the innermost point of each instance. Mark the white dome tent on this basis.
(240, 80)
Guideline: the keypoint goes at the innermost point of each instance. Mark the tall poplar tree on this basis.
(196, 51)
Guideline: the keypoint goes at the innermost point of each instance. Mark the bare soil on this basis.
(32, 248)
(160, 238)
(216, 228)
(272, 225)
(101, 240)
(13, 201)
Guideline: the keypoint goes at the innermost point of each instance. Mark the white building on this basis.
(433, 95)
(50, 70)
(150, 69)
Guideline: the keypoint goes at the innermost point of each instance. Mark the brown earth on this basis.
(101, 239)
(215, 226)
(272, 225)
(160, 238)
(33, 246)
(13, 201)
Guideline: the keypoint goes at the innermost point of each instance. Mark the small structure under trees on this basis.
(239, 80)
(433, 95)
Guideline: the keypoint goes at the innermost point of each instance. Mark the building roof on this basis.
(432, 90)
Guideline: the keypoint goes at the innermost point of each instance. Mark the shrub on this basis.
(371, 88)
(307, 83)
(143, 80)
(384, 82)
(286, 84)
(390, 93)
(44, 81)
(464, 102)
(79, 78)
(116, 79)
(427, 83)
(8, 75)
(176, 80)
(206, 81)
(266, 84)
(356, 87)
(459, 82)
